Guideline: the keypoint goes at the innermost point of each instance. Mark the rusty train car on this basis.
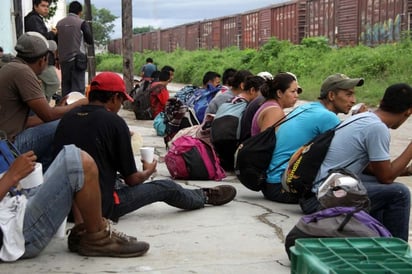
(342, 22)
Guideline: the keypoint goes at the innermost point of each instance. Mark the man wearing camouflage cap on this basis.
(22, 95)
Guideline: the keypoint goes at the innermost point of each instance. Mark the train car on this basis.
(342, 22)
(348, 22)
(192, 35)
(206, 34)
(179, 37)
(209, 34)
(250, 30)
(166, 40)
(137, 43)
(382, 21)
(230, 35)
(154, 40)
(115, 46)
(286, 22)
(172, 38)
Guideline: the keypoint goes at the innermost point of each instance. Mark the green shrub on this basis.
(312, 61)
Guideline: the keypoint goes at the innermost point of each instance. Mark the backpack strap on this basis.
(339, 126)
(156, 89)
(287, 117)
(238, 99)
(283, 120)
(347, 219)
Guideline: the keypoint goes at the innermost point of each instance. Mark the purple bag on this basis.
(336, 222)
(191, 158)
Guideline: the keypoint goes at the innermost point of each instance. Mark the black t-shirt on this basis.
(106, 137)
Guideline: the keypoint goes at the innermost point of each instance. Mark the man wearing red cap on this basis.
(97, 129)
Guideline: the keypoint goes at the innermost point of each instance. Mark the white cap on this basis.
(265, 75)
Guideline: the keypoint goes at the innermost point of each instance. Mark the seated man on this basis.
(97, 129)
(337, 95)
(159, 93)
(29, 223)
(22, 94)
(364, 143)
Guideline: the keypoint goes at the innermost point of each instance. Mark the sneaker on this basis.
(220, 195)
(111, 243)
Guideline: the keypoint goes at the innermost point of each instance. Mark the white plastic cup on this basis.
(35, 178)
(61, 232)
(73, 97)
(147, 154)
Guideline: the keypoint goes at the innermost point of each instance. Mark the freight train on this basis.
(342, 22)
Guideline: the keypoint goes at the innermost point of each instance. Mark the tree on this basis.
(52, 8)
(143, 29)
(102, 25)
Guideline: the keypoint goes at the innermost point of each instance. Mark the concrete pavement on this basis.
(244, 236)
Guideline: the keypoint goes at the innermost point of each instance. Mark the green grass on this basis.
(312, 61)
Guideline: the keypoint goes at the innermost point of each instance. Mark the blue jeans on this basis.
(390, 204)
(135, 197)
(39, 139)
(276, 193)
(51, 202)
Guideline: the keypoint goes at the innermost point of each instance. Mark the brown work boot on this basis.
(220, 195)
(75, 234)
(111, 243)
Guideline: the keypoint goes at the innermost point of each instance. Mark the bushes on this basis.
(312, 61)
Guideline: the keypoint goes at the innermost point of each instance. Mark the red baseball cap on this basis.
(110, 82)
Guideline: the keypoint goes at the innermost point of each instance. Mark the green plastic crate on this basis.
(351, 256)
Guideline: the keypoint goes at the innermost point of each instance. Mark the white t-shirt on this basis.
(12, 209)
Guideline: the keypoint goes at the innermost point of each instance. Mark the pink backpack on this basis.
(191, 158)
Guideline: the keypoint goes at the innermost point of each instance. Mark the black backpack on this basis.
(225, 130)
(253, 156)
(305, 163)
(142, 106)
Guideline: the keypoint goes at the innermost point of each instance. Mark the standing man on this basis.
(147, 73)
(159, 93)
(147, 70)
(362, 147)
(34, 21)
(73, 33)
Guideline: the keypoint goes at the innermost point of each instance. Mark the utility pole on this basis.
(90, 48)
(127, 37)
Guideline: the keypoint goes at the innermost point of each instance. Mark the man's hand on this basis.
(150, 168)
(21, 167)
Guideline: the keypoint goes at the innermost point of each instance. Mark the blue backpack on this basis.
(8, 152)
(186, 94)
(159, 124)
(201, 99)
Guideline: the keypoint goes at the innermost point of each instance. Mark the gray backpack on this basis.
(336, 222)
